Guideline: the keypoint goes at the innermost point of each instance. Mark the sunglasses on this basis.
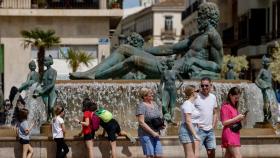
(204, 85)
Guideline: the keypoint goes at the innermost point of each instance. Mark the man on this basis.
(206, 104)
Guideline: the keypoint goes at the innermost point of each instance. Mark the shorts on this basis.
(151, 145)
(87, 137)
(23, 141)
(112, 128)
(207, 138)
(185, 135)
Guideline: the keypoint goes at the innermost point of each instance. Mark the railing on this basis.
(168, 34)
(58, 4)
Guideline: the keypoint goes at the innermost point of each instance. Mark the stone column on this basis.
(102, 4)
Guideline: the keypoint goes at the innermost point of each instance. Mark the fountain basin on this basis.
(255, 143)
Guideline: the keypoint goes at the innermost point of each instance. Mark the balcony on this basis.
(61, 4)
(168, 34)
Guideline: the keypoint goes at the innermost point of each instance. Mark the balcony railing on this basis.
(168, 34)
(59, 4)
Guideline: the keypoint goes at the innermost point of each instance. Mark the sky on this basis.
(130, 3)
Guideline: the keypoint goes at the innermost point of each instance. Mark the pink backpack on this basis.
(95, 121)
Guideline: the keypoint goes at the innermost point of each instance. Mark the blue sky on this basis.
(130, 3)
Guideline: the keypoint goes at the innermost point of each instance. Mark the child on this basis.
(86, 125)
(112, 128)
(24, 134)
(58, 130)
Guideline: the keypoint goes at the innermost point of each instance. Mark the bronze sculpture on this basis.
(168, 91)
(32, 77)
(264, 82)
(202, 54)
(47, 89)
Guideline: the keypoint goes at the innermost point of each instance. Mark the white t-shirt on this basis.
(188, 107)
(56, 127)
(205, 105)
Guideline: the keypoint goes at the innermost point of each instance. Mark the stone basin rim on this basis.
(143, 81)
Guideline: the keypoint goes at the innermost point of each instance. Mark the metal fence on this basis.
(50, 4)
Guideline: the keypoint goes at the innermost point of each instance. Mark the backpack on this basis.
(95, 122)
(104, 115)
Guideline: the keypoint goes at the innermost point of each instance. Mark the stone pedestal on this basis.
(46, 129)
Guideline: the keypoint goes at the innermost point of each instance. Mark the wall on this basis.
(244, 6)
(159, 21)
(72, 30)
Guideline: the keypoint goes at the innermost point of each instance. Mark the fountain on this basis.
(122, 96)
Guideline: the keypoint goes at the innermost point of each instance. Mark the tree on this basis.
(240, 63)
(275, 64)
(41, 40)
(77, 57)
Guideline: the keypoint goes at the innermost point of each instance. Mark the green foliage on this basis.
(240, 63)
(275, 64)
(77, 57)
(40, 39)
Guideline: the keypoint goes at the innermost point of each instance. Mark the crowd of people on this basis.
(199, 118)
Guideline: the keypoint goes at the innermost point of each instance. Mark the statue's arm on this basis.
(165, 50)
(51, 85)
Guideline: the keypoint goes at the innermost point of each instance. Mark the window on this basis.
(54, 52)
(168, 23)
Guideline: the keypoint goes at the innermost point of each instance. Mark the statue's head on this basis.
(265, 61)
(208, 13)
(135, 40)
(48, 60)
(169, 63)
(32, 65)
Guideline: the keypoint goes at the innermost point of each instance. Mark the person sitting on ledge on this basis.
(202, 54)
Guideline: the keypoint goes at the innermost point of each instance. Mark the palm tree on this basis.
(77, 57)
(41, 40)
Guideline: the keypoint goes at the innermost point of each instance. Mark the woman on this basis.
(146, 112)
(86, 128)
(188, 130)
(230, 116)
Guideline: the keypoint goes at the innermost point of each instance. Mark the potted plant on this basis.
(115, 4)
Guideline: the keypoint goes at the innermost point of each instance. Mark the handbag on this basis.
(236, 127)
(157, 123)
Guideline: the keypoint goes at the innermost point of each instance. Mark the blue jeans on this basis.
(151, 146)
(208, 138)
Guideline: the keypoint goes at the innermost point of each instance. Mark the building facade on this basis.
(81, 24)
(158, 24)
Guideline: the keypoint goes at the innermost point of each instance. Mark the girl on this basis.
(188, 130)
(86, 126)
(58, 130)
(24, 134)
(229, 116)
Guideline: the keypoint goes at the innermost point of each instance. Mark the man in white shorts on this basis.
(206, 104)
